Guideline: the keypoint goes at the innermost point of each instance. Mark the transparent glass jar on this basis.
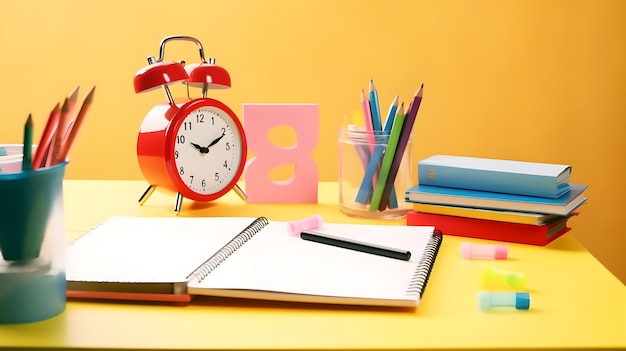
(363, 175)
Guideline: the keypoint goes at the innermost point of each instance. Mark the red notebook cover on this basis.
(491, 230)
(111, 295)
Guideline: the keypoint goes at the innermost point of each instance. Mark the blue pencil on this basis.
(375, 107)
(365, 189)
(391, 114)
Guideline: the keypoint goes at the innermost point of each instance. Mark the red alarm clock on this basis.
(196, 149)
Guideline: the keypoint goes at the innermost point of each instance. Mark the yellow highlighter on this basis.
(496, 278)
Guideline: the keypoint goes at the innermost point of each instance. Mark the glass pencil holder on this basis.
(374, 174)
(32, 245)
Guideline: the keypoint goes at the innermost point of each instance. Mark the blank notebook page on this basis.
(155, 250)
(273, 260)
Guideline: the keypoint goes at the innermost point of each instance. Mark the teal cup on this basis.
(32, 244)
(25, 207)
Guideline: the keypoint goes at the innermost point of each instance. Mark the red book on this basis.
(491, 230)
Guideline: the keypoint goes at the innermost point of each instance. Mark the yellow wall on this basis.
(530, 79)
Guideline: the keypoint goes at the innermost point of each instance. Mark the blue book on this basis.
(562, 205)
(502, 176)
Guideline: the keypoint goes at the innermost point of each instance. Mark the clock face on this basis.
(208, 150)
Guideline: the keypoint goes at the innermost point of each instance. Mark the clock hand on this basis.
(205, 150)
(217, 140)
(202, 149)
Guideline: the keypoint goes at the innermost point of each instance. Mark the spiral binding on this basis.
(417, 285)
(235, 243)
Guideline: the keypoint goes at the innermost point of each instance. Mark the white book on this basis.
(148, 258)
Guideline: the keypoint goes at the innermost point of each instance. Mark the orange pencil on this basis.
(59, 135)
(57, 141)
(46, 137)
(72, 99)
(67, 145)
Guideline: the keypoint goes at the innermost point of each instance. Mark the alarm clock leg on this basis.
(240, 192)
(146, 195)
(178, 204)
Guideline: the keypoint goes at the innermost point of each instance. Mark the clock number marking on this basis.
(203, 130)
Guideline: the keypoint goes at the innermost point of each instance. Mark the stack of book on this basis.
(505, 200)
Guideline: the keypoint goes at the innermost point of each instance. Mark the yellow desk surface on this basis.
(575, 301)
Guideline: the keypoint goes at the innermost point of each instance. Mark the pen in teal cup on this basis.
(25, 208)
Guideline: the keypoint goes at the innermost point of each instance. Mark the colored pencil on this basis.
(384, 178)
(57, 142)
(73, 132)
(64, 120)
(72, 100)
(369, 132)
(399, 152)
(27, 147)
(71, 104)
(367, 118)
(364, 194)
(391, 114)
(375, 107)
(46, 137)
(393, 108)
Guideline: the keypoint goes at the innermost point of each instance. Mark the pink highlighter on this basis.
(296, 227)
(483, 251)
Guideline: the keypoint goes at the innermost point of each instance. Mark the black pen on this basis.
(356, 245)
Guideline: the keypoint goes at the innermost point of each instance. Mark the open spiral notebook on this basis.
(172, 259)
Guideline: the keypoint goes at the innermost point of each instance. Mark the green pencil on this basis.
(27, 160)
(385, 167)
